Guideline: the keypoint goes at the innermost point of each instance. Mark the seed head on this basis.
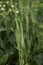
(2, 9)
(4, 5)
(7, 2)
(12, 6)
(17, 11)
(1, 2)
(0, 5)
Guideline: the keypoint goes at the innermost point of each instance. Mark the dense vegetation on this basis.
(21, 32)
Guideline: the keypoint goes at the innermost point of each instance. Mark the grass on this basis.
(21, 32)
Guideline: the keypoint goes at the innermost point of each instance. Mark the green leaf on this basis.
(2, 29)
(39, 59)
(33, 17)
(3, 59)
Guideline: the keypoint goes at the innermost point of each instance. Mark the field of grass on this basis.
(21, 32)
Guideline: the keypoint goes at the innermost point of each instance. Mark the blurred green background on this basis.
(21, 32)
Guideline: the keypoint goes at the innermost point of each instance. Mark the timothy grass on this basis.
(21, 32)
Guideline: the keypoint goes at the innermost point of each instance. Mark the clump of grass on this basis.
(20, 32)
